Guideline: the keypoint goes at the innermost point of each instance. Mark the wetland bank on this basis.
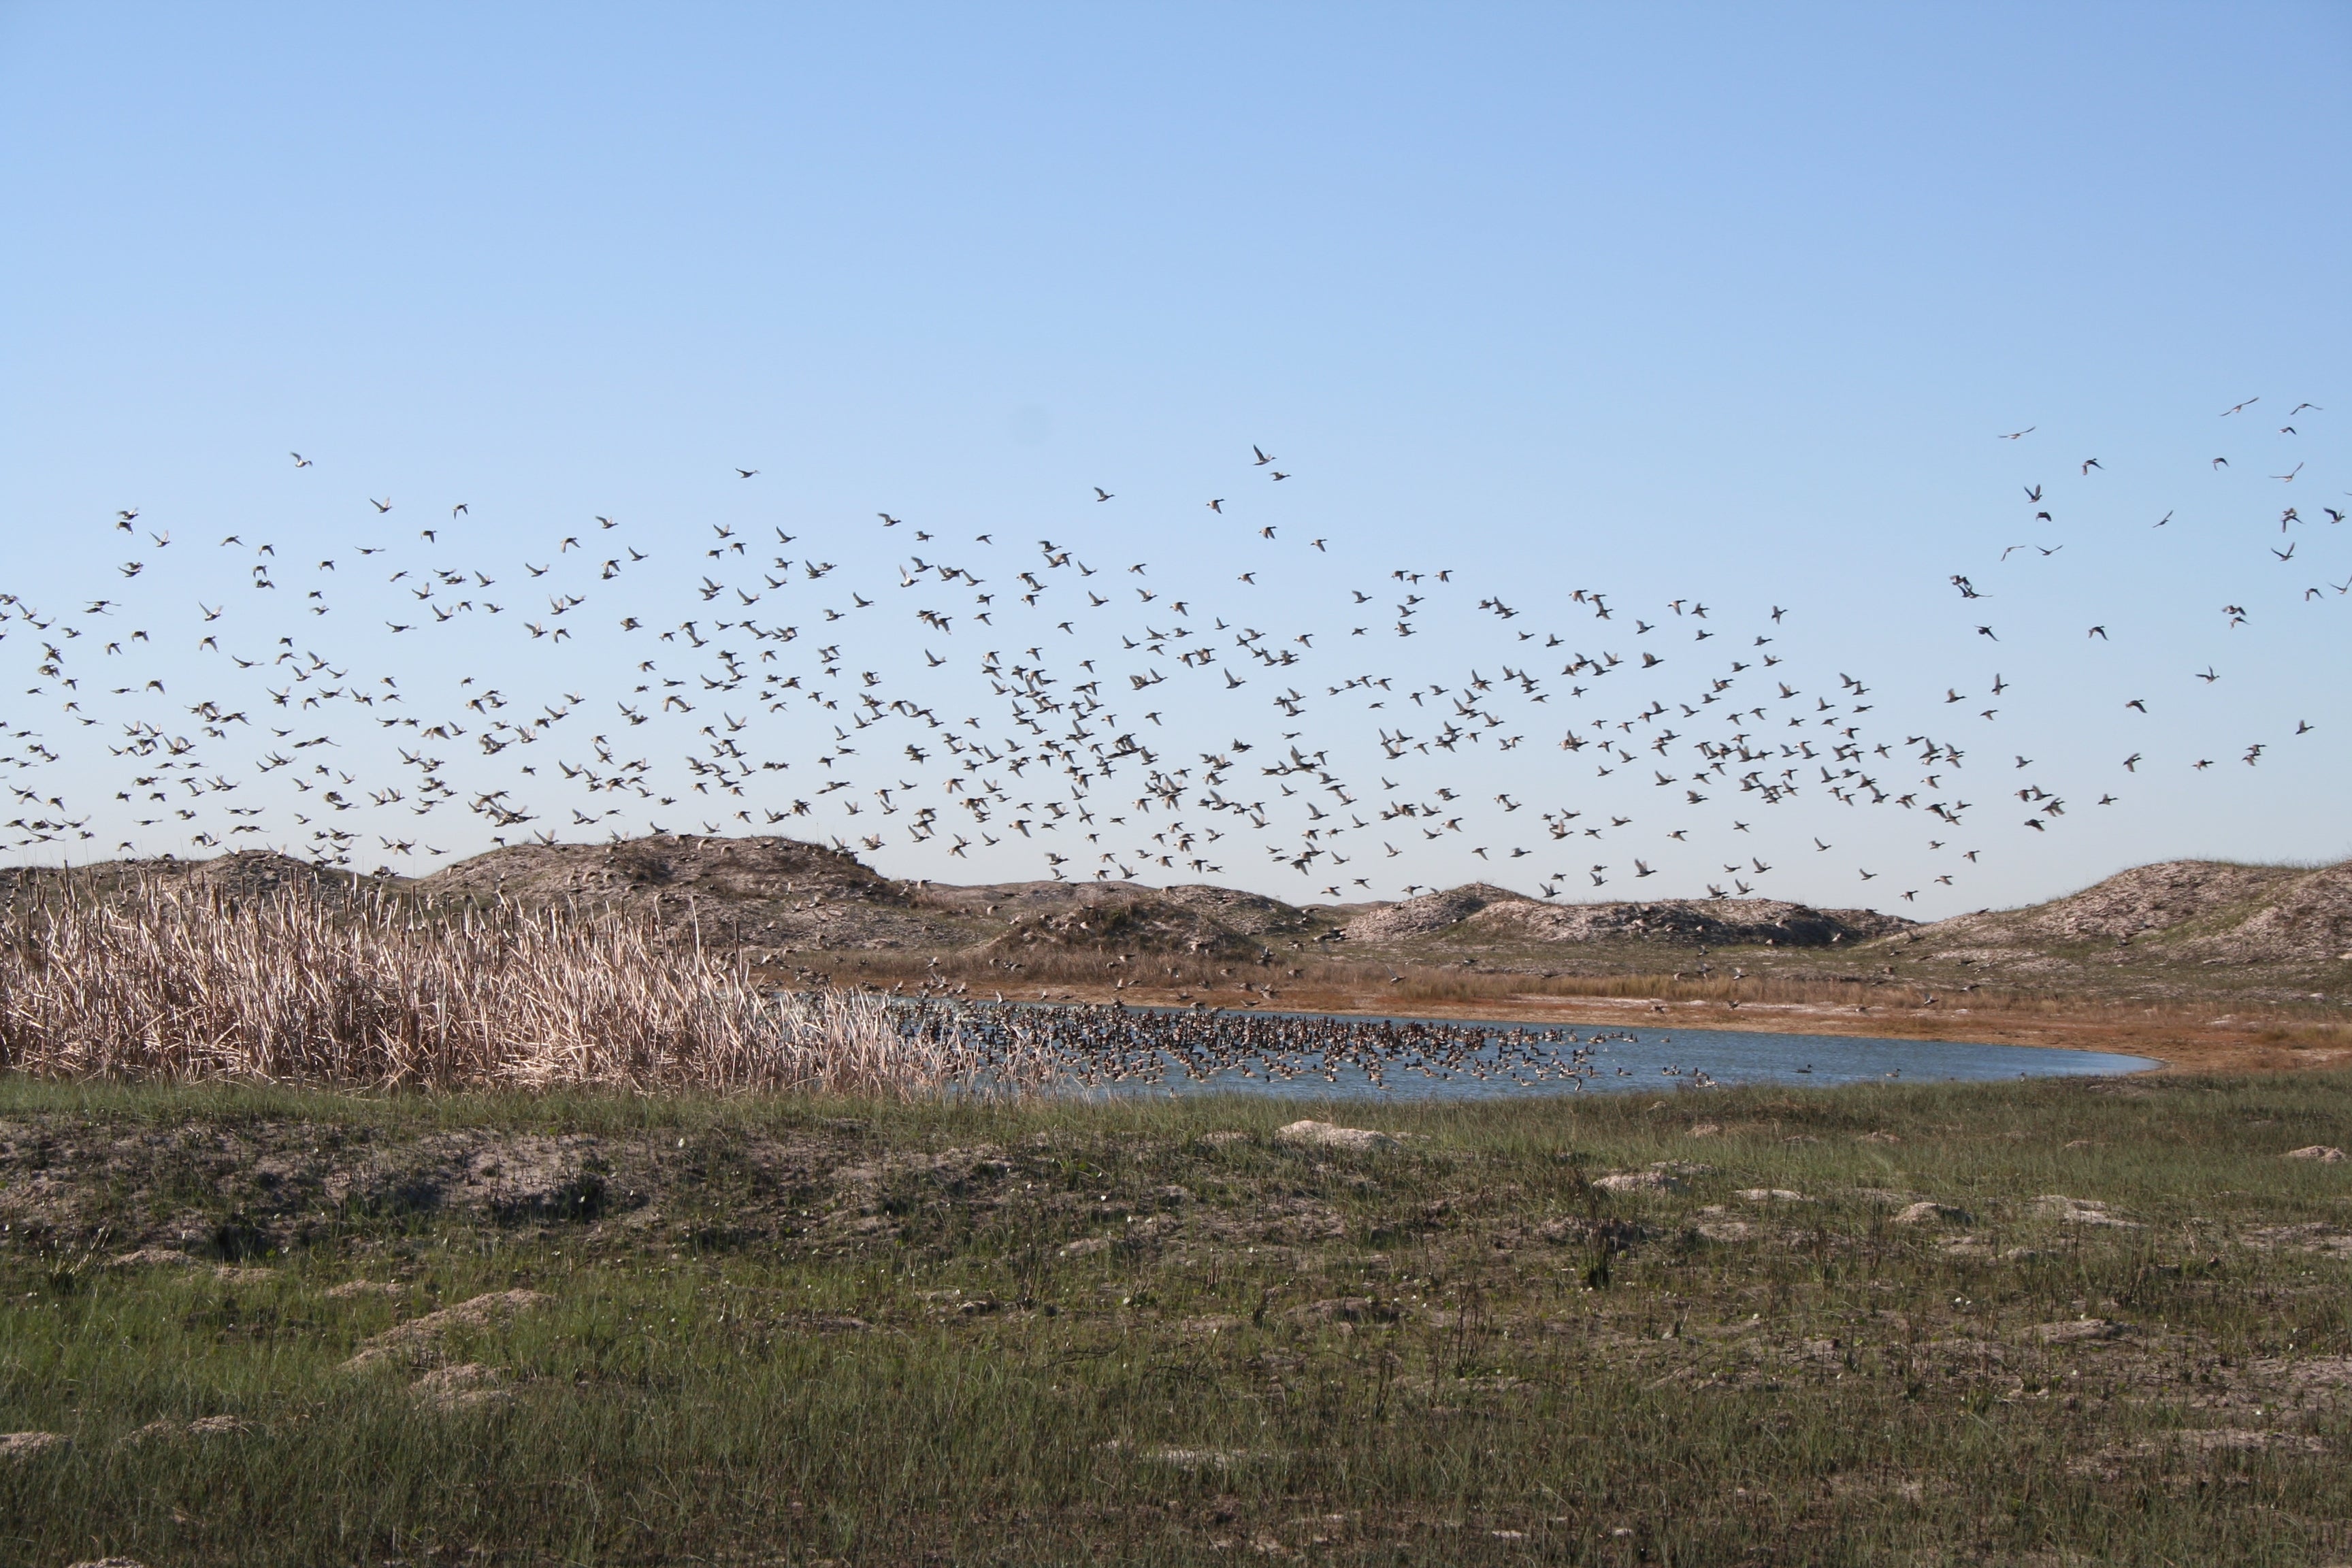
(2069, 1320)
(582, 1243)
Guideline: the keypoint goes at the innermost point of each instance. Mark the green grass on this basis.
(1455, 1350)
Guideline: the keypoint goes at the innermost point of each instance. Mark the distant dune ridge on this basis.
(2185, 910)
(1479, 910)
(774, 892)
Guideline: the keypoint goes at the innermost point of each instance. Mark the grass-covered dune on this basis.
(2051, 1322)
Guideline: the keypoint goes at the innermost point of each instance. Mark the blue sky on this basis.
(1705, 302)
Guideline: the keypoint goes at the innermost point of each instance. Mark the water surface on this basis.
(1522, 1059)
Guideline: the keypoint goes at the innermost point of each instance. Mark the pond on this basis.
(1311, 1056)
(1655, 1059)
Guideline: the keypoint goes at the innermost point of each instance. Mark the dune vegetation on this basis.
(2060, 1321)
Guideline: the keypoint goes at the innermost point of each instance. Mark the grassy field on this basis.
(270, 1327)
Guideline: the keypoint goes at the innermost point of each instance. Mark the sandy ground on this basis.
(2181, 1045)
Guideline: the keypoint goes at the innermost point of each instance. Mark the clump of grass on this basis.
(168, 983)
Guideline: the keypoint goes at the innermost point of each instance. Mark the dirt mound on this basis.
(1246, 913)
(1124, 917)
(1430, 912)
(419, 1340)
(669, 864)
(1479, 914)
(763, 894)
(2144, 899)
(258, 873)
(2309, 920)
(2196, 910)
(1710, 922)
(242, 875)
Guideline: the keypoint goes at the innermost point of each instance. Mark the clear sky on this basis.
(1725, 303)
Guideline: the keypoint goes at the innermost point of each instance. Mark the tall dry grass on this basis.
(161, 982)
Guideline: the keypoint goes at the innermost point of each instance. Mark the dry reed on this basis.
(302, 986)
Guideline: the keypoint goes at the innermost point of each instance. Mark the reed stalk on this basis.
(305, 985)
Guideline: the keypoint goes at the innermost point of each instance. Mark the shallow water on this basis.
(1588, 1060)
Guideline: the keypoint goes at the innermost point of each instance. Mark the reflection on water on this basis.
(1319, 1056)
(1593, 1060)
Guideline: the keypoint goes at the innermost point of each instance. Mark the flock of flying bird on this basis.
(1036, 701)
(1106, 1045)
